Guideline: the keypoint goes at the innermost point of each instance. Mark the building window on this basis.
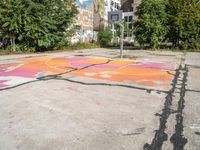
(130, 18)
(126, 19)
(130, 25)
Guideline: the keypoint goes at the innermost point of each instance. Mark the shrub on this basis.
(114, 44)
(104, 37)
(24, 48)
(63, 44)
(83, 45)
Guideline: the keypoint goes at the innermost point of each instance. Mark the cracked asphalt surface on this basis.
(99, 109)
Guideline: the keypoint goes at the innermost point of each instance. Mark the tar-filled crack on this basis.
(148, 90)
(160, 135)
(194, 66)
(72, 70)
(54, 76)
(197, 133)
(178, 138)
(189, 90)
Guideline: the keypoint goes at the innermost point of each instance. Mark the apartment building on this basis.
(84, 22)
(93, 16)
(101, 9)
(129, 7)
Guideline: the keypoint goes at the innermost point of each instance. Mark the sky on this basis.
(84, 4)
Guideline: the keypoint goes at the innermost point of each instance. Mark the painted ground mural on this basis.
(126, 71)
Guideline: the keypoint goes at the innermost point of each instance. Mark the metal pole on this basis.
(121, 39)
(113, 34)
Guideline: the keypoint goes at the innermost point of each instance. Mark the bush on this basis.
(114, 44)
(63, 44)
(104, 37)
(84, 45)
(24, 48)
(20, 48)
(129, 43)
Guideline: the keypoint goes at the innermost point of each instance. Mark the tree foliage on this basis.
(184, 23)
(36, 23)
(150, 28)
(175, 21)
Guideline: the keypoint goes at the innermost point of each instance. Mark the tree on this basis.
(128, 31)
(36, 23)
(10, 19)
(150, 28)
(184, 23)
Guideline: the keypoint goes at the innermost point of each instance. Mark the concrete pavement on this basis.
(100, 107)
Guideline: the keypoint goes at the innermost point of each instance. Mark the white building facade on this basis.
(111, 5)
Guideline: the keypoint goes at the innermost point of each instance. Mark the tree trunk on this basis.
(13, 37)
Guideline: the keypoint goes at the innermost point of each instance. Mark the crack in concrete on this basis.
(160, 135)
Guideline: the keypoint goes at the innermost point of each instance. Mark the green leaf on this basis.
(5, 24)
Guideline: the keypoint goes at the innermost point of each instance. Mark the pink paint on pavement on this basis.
(154, 65)
(19, 73)
(2, 83)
